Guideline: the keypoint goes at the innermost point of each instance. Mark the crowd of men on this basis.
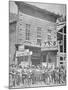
(32, 75)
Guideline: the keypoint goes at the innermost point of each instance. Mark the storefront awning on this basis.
(49, 49)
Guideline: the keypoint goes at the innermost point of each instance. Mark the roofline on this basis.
(45, 12)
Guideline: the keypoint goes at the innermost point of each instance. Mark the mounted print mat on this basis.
(37, 44)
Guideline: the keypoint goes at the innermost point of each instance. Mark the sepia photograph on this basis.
(37, 44)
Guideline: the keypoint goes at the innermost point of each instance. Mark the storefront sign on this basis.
(23, 53)
(50, 44)
(21, 47)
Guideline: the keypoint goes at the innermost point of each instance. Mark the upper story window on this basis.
(49, 37)
(49, 30)
(61, 58)
(27, 31)
(39, 41)
(61, 62)
(39, 35)
(20, 29)
(38, 32)
(61, 48)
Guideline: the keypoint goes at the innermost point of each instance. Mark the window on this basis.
(49, 60)
(27, 31)
(61, 62)
(38, 32)
(39, 35)
(49, 37)
(39, 41)
(61, 58)
(60, 42)
(20, 59)
(64, 58)
(49, 31)
(61, 48)
(44, 58)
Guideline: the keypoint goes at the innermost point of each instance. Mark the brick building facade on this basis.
(36, 30)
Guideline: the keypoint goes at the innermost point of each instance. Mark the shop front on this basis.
(36, 54)
(23, 57)
(49, 58)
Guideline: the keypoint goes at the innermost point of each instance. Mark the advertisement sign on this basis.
(21, 47)
(23, 53)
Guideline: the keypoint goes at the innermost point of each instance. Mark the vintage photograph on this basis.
(37, 44)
